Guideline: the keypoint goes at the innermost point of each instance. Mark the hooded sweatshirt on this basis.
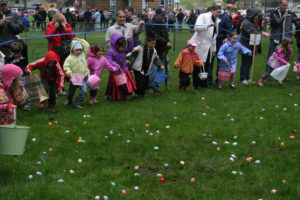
(97, 64)
(7, 103)
(249, 27)
(77, 64)
(49, 73)
(116, 58)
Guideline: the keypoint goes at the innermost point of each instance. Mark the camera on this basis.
(60, 27)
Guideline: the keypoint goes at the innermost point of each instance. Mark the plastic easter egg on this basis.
(112, 183)
(166, 165)
(79, 141)
(50, 149)
(44, 153)
(249, 159)
(136, 188)
(106, 137)
(60, 180)
(162, 180)
(156, 148)
(79, 160)
(124, 192)
(167, 127)
(132, 129)
(150, 134)
(226, 142)
(97, 197)
(283, 181)
(175, 117)
(292, 137)
(273, 191)
(192, 180)
(241, 173)
(65, 124)
(181, 162)
(38, 173)
(282, 144)
(232, 119)
(137, 167)
(71, 171)
(174, 102)
(214, 143)
(253, 142)
(284, 109)
(30, 177)
(235, 137)
(128, 141)
(231, 159)
(105, 197)
(202, 98)
(33, 139)
(295, 105)
(234, 172)
(234, 144)
(204, 114)
(233, 156)
(49, 123)
(67, 131)
(111, 132)
(218, 148)
(137, 174)
(147, 125)
(257, 162)
(159, 175)
(38, 163)
(228, 115)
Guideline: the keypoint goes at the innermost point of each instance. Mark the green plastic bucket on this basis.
(13, 139)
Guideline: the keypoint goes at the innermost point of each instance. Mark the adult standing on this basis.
(250, 26)
(281, 25)
(123, 28)
(58, 25)
(10, 26)
(171, 20)
(43, 14)
(225, 28)
(132, 19)
(97, 17)
(206, 31)
(51, 12)
(192, 20)
(163, 44)
(68, 16)
(106, 19)
(88, 18)
(180, 17)
(237, 21)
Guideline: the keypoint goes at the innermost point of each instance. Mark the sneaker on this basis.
(156, 89)
(219, 86)
(260, 82)
(245, 82)
(27, 108)
(232, 86)
(78, 107)
(279, 82)
(95, 100)
(41, 106)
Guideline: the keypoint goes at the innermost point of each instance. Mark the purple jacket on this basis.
(96, 64)
(116, 58)
(278, 58)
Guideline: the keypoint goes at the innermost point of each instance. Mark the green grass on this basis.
(114, 159)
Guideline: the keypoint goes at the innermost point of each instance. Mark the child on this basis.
(142, 58)
(10, 86)
(96, 63)
(21, 61)
(228, 53)
(279, 58)
(76, 63)
(116, 55)
(186, 61)
(51, 75)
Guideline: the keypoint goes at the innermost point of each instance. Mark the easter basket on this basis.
(120, 79)
(224, 71)
(13, 139)
(160, 78)
(202, 75)
(77, 79)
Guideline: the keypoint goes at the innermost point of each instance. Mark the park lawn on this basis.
(182, 125)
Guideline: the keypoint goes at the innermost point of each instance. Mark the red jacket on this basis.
(49, 73)
(56, 40)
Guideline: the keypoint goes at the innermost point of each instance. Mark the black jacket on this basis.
(279, 25)
(297, 35)
(160, 33)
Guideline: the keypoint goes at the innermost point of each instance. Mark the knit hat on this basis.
(192, 43)
(9, 73)
(77, 45)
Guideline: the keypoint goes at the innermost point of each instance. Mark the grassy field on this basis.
(189, 127)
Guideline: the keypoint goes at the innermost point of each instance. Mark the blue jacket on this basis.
(25, 22)
(228, 52)
(225, 26)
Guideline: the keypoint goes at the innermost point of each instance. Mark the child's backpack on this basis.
(224, 71)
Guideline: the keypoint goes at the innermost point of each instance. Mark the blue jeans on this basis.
(72, 89)
(245, 68)
(179, 25)
(272, 47)
(27, 102)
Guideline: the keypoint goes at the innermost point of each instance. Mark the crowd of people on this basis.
(75, 62)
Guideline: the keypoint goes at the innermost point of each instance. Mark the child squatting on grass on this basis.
(76, 68)
(12, 93)
(186, 61)
(96, 63)
(142, 59)
(116, 55)
(52, 76)
(228, 53)
(279, 58)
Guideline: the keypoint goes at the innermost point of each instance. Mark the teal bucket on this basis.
(13, 139)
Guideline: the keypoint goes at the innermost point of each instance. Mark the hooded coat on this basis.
(249, 27)
(7, 102)
(116, 58)
(77, 64)
(97, 64)
(49, 73)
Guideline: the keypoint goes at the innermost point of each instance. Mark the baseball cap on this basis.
(3, 2)
(192, 43)
(160, 11)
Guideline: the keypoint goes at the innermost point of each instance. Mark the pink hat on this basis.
(93, 82)
(192, 43)
(9, 73)
(77, 45)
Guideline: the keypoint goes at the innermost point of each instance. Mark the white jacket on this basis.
(203, 35)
